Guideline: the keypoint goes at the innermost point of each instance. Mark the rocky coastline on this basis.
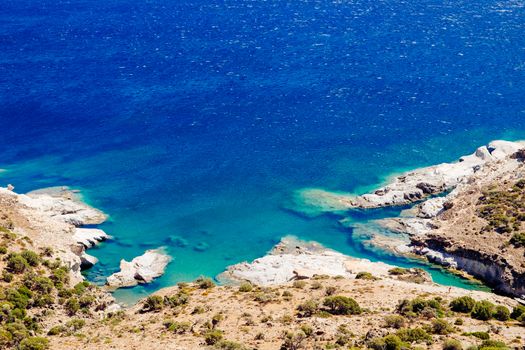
(445, 225)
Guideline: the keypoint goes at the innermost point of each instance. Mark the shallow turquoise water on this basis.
(200, 119)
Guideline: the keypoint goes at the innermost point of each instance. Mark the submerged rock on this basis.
(142, 269)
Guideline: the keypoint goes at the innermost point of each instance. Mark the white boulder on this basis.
(142, 269)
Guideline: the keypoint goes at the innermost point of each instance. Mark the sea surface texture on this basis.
(192, 123)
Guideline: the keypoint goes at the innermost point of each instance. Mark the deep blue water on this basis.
(200, 119)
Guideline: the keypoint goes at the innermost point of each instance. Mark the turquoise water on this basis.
(199, 119)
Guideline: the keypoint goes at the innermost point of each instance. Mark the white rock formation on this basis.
(87, 261)
(89, 237)
(409, 187)
(142, 269)
(292, 259)
(64, 205)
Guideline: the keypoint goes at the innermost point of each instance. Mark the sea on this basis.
(193, 123)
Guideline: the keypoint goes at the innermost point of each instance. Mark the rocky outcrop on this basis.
(293, 259)
(89, 237)
(50, 218)
(142, 269)
(63, 204)
(410, 187)
(449, 231)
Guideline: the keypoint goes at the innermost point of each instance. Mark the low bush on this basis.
(414, 335)
(452, 344)
(72, 306)
(299, 284)
(205, 283)
(34, 343)
(32, 258)
(390, 342)
(341, 305)
(395, 321)
(517, 311)
(365, 276)
(153, 303)
(441, 327)
(463, 304)
(16, 263)
(396, 271)
(501, 313)
(212, 337)
(178, 299)
(483, 310)
(308, 308)
(492, 344)
(245, 287)
(479, 335)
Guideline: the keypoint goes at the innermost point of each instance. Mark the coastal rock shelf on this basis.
(142, 269)
(89, 237)
(410, 187)
(293, 259)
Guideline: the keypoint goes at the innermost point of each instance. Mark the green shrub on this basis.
(340, 305)
(452, 344)
(60, 276)
(390, 342)
(308, 308)
(501, 313)
(479, 335)
(458, 322)
(76, 324)
(177, 327)
(396, 271)
(56, 330)
(245, 287)
(213, 336)
(153, 303)
(462, 304)
(40, 284)
(3, 250)
(72, 306)
(414, 335)
(299, 284)
(80, 288)
(518, 239)
(492, 344)
(181, 298)
(420, 306)
(18, 330)
(330, 290)
(7, 277)
(34, 343)
(307, 330)
(482, 310)
(31, 257)
(229, 345)
(5, 338)
(365, 276)
(16, 263)
(18, 299)
(86, 301)
(395, 321)
(441, 327)
(517, 311)
(205, 283)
